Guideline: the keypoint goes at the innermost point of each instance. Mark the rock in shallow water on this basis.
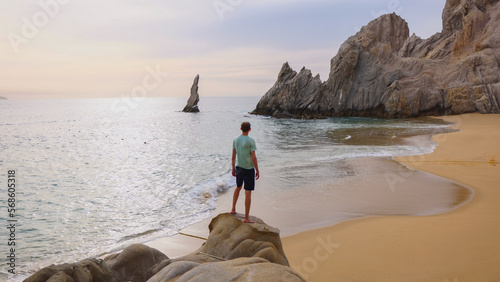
(192, 103)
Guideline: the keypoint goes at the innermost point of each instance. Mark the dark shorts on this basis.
(246, 176)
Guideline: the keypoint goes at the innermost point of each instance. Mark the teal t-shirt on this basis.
(244, 145)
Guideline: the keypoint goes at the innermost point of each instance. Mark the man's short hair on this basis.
(245, 126)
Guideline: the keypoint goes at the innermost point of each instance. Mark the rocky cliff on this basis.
(234, 251)
(382, 71)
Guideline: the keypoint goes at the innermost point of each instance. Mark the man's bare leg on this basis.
(235, 199)
(248, 201)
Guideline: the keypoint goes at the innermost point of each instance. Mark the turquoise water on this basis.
(95, 175)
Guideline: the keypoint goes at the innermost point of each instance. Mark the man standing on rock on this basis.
(247, 170)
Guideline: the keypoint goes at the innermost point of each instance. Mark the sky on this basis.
(53, 49)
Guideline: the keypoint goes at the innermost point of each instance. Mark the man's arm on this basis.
(256, 165)
(233, 162)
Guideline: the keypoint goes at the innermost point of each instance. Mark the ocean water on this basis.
(96, 175)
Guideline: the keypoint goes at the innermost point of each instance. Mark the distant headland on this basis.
(384, 72)
(3, 98)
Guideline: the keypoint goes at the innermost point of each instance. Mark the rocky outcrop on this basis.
(134, 263)
(292, 91)
(86, 270)
(233, 251)
(382, 71)
(192, 103)
(231, 238)
(240, 269)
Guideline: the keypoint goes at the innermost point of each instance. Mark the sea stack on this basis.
(192, 103)
(384, 72)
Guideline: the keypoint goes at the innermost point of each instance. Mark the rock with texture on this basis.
(240, 269)
(233, 251)
(192, 103)
(86, 270)
(382, 71)
(134, 263)
(231, 238)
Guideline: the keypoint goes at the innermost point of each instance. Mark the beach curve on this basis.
(456, 246)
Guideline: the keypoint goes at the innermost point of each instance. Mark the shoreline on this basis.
(304, 217)
(309, 220)
(315, 210)
(458, 245)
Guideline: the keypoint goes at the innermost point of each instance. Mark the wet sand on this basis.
(461, 245)
(371, 189)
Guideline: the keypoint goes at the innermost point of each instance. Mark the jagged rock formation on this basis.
(384, 72)
(234, 251)
(192, 103)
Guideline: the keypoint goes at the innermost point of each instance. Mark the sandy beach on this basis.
(461, 245)
(403, 242)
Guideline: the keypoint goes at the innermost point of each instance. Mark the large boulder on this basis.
(382, 71)
(231, 238)
(84, 271)
(233, 251)
(194, 98)
(240, 269)
(134, 262)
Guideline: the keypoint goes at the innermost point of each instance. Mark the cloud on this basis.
(101, 48)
